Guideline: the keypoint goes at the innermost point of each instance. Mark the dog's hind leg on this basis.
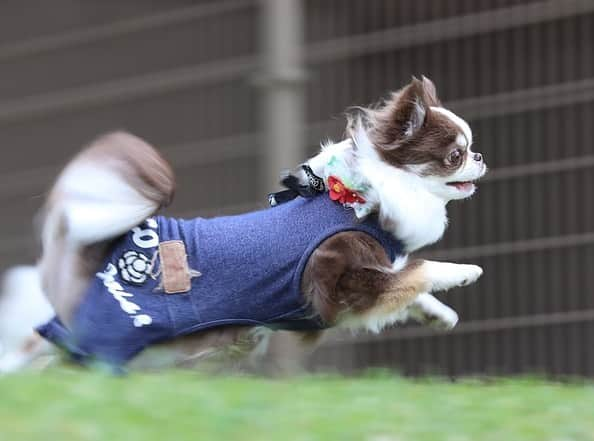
(285, 353)
(22, 307)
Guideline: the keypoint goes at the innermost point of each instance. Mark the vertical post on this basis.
(282, 89)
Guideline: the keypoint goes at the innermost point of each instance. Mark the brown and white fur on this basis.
(415, 155)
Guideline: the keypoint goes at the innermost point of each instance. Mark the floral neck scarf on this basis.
(346, 187)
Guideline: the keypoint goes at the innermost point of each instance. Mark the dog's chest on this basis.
(417, 221)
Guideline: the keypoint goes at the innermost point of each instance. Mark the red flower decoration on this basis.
(341, 193)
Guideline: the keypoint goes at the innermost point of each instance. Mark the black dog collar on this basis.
(295, 188)
(315, 182)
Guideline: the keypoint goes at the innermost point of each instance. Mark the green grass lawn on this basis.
(65, 405)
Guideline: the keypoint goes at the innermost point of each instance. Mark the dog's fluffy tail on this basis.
(110, 187)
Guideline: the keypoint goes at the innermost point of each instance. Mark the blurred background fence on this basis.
(216, 84)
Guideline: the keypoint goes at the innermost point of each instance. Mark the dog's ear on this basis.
(412, 104)
(404, 114)
(411, 109)
(430, 94)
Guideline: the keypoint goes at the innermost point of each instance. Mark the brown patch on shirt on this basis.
(174, 267)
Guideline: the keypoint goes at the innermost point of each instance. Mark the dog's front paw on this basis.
(446, 320)
(471, 273)
(445, 275)
(429, 311)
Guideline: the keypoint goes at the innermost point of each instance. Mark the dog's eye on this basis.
(455, 156)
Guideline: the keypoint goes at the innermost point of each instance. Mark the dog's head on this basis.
(413, 132)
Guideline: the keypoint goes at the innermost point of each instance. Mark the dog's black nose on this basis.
(478, 157)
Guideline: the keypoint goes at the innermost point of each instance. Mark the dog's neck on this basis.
(406, 207)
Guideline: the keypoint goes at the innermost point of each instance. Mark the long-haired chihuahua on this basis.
(122, 279)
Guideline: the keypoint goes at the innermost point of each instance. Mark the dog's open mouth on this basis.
(464, 186)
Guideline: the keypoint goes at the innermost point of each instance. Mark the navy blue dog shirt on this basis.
(239, 270)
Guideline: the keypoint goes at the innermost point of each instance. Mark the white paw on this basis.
(427, 310)
(445, 275)
(471, 274)
(445, 320)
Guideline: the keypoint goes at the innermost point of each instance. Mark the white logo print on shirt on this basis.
(143, 238)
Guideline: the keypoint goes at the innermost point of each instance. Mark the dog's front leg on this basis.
(445, 275)
(427, 310)
(351, 282)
